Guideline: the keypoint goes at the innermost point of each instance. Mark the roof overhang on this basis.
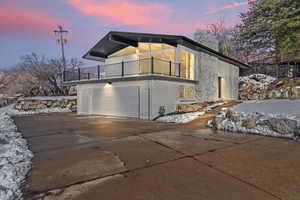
(115, 41)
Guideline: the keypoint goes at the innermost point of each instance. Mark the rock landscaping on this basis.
(260, 86)
(276, 125)
(40, 103)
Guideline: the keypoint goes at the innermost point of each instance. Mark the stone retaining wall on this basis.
(37, 103)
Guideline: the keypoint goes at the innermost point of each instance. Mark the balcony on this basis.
(138, 68)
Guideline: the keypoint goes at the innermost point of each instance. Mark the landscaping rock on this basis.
(230, 115)
(283, 126)
(249, 123)
(216, 121)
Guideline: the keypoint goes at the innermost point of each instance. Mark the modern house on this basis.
(145, 74)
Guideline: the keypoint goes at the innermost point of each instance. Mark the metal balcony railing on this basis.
(147, 66)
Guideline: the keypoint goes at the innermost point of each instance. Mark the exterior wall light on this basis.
(109, 82)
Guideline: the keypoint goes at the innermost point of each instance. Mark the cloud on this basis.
(228, 6)
(127, 12)
(23, 21)
(147, 16)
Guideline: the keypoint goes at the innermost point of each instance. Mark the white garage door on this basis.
(117, 101)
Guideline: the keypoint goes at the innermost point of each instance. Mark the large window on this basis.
(187, 65)
(124, 52)
(165, 61)
(163, 54)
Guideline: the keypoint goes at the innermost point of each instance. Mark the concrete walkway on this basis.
(96, 157)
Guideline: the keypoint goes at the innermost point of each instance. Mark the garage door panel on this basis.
(83, 102)
(119, 101)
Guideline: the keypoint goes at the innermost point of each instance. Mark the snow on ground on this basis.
(51, 98)
(15, 157)
(187, 117)
(13, 112)
(259, 80)
(288, 108)
(274, 117)
(180, 118)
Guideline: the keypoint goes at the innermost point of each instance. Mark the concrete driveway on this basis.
(96, 157)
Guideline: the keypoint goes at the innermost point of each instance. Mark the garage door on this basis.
(117, 101)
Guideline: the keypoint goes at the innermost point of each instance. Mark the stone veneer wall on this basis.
(210, 69)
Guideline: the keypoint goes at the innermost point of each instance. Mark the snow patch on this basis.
(187, 117)
(259, 80)
(285, 107)
(51, 98)
(13, 112)
(15, 159)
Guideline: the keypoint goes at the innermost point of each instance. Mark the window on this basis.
(186, 92)
(187, 65)
(162, 53)
(124, 52)
(143, 47)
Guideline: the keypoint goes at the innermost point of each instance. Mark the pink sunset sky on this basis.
(27, 25)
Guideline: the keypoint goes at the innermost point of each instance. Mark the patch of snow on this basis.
(259, 80)
(284, 107)
(51, 98)
(187, 117)
(210, 107)
(180, 118)
(13, 112)
(15, 159)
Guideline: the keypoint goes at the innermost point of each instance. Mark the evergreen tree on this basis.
(270, 27)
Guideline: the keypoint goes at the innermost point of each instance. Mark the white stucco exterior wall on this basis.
(152, 95)
(165, 93)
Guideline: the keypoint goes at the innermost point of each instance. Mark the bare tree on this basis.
(227, 37)
(223, 35)
(47, 72)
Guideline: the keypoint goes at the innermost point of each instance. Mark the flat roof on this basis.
(115, 41)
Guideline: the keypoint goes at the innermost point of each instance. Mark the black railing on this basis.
(145, 66)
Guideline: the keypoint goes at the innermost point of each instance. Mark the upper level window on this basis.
(151, 47)
(187, 65)
(124, 52)
(142, 48)
(163, 54)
